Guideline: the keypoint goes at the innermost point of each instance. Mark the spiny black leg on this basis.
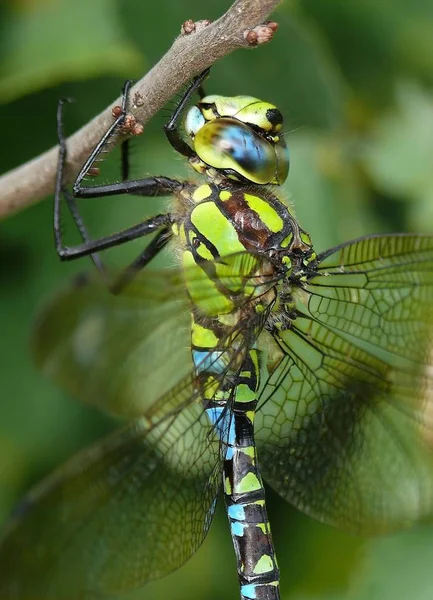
(60, 188)
(154, 186)
(151, 186)
(69, 199)
(155, 246)
(171, 128)
(82, 229)
(126, 235)
(103, 141)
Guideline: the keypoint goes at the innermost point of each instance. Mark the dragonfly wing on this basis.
(127, 510)
(119, 353)
(123, 352)
(137, 505)
(379, 290)
(344, 432)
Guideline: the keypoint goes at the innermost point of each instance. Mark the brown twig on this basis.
(198, 47)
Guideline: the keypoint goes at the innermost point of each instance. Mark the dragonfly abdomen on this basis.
(246, 509)
(232, 413)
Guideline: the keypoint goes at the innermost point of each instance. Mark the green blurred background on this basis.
(354, 81)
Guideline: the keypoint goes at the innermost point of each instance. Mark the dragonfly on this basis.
(253, 359)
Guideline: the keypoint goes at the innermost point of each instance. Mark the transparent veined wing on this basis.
(118, 352)
(379, 290)
(343, 431)
(122, 352)
(130, 509)
(135, 506)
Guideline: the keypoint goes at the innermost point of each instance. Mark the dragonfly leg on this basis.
(131, 233)
(143, 259)
(172, 127)
(78, 189)
(61, 188)
(73, 209)
(152, 186)
(232, 414)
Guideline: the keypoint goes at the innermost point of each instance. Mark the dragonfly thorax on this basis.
(240, 137)
(224, 223)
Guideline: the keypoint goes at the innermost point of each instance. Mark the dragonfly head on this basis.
(240, 137)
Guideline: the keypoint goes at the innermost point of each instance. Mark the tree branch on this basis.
(197, 48)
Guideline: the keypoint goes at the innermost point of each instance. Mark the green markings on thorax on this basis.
(267, 213)
(207, 219)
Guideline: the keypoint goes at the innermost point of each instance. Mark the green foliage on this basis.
(50, 42)
(354, 83)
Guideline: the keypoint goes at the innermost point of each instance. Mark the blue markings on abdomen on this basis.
(224, 424)
(249, 591)
(236, 512)
(237, 528)
(208, 362)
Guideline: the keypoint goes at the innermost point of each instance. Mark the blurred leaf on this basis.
(350, 27)
(413, 37)
(323, 181)
(318, 96)
(12, 470)
(397, 567)
(311, 189)
(57, 40)
(374, 41)
(398, 157)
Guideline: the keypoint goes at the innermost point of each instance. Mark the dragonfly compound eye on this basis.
(194, 121)
(228, 144)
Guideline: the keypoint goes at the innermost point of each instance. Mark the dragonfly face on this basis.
(255, 358)
(240, 137)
